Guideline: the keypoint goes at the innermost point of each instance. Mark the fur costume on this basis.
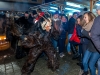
(38, 42)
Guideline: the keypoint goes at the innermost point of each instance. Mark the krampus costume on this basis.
(40, 41)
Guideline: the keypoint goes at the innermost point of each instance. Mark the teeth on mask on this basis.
(25, 38)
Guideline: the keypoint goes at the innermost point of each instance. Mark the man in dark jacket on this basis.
(71, 25)
(25, 21)
(95, 34)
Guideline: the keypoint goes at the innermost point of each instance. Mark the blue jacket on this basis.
(84, 40)
(78, 29)
(65, 29)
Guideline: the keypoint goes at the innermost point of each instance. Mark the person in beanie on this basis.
(95, 34)
(56, 23)
(83, 11)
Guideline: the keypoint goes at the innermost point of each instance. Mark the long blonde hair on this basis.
(91, 17)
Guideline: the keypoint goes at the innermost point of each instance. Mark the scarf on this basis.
(55, 19)
(88, 26)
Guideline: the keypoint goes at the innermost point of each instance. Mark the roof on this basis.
(61, 4)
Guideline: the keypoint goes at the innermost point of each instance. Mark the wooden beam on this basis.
(91, 5)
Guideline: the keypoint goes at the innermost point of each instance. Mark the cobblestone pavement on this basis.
(10, 66)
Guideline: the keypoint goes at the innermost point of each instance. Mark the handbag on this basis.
(74, 37)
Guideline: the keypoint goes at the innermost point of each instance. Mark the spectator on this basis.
(71, 25)
(62, 37)
(91, 55)
(56, 23)
(83, 11)
(95, 34)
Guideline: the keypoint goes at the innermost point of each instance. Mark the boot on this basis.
(80, 64)
(76, 56)
(80, 58)
(85, 73)
(73, 48)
